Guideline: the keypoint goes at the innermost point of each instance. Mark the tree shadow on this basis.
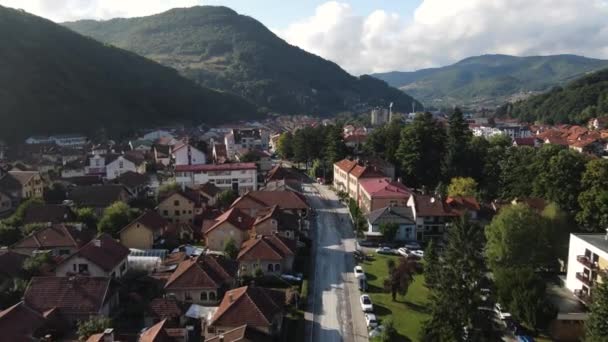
(374, 289)
(417, 307)
(370, 277)
(380, 310)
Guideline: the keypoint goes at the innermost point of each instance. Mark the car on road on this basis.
(362, 284)
(359, 272)
(366, 303)
(385, 250)
(503, 315)
(371, 320)
(292, 278)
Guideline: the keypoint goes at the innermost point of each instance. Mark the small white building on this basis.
(240, 177)
(587, 258)
(123, 164)
(186, 154)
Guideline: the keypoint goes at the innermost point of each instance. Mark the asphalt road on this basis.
(333, 311)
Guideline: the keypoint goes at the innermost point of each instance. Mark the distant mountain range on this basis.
(57, 81)
(490, 80)
(218, 48)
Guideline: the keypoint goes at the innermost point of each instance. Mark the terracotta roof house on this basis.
(164, 308)
(528, 141)
(98, 197)
(60, 240)
(431, 214)
(259, 308)
(181, 206)
(160, 332)
(341, 171)
(21, 323)
(402, 216)
(202, 279)
(210, 192)
(359, 173)
(244, 333)
(144, 231)
(233, 224)
(101, 257)
(376, 193)
(279, 172)
(75, 298)
(48, 213)
(273, 220)
(290, 201)
(22, 184)
(462, 204)
(270, 253)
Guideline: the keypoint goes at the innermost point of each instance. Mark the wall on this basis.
(267, 227)
(34, 187)
(249, 267)
(137, 236)
(113, 169)
(68, 267)
(577, 247)
(195, 296)
(177, 208)
(216, 239)
(197, 157)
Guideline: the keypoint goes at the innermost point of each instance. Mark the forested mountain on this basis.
(53, 80)
(221, 49)
(577, 102)
(491, 80)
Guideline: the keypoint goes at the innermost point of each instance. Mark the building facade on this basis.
(239, 177)
(587, 260)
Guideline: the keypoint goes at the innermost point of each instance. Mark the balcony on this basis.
(583, 297)
(584, 279)
(587, 262)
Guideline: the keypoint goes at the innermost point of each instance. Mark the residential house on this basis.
(432, 216)
(245, 139)
(587, 260)
(376, 193)
(186, 154)
(164, 308)
(162, 154)
(98, 197)
(21, 323)
(463, 204)
(69, 140)
(141, 145)
(101, 257)
(272, 254)
(116, 165)
(355, 141)
(74, 298)
(135, 183)
(274, 221)
(74, 168)
(157, 134)
(341, 171)
(233, 224)
(239, 177)
(161, 332)
(22, 184)
(180, 206)
(244, 333)
(289, 201)
(598, 123)
(402, 216)
(357, 174)
(528, 141)
(220, 155)
(144, 231)
(59, 239)
(49, 214)
(202, 279)
(210, 192)
(259, 308)
(262, 158)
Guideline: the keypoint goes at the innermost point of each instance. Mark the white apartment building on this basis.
(587, 259)
(240, 177)
(244, 139)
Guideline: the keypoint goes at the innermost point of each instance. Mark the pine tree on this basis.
(596, 327)
(455, 163)
(432, 268)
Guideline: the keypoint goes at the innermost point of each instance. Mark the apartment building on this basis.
(240, 177)
(587, 260)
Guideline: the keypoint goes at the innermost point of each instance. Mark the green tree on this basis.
(9, 235)
(400, 278)
(382, 142)
(596, 327)
(226, 198)
(231, 250)
(87, 216)
(34, 264)
(93, 326)
(455, 163)
(249, 157)
(517, 172)
(462, 186)
(16, 219)
(285, 145)
(489, 184)
(114, 218)
(167, 188)
(389, 333)
(335, 149)
(389, 230)
(420, 152)
(593, 200)
(432, 266)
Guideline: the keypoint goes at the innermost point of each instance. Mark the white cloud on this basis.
(67, 10)
(445, 31)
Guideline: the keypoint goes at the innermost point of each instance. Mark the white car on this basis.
(366, 303)
(371, 320)
(385, 250)
(413, 246)
(417, 253)
(359, 272)
(403, 252)
(499, 311)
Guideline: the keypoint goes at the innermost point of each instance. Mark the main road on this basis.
(333, 311)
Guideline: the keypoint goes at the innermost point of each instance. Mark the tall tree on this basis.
(285, 145)
(432, 266)
(593, 200)
(382, 142)
(420, 152)
(335, 149)
(115, 217)
(400, 278)
(462, 186)
(489, 183)
(455, 163)
(517, 171)
(389, 230)
(596, 327)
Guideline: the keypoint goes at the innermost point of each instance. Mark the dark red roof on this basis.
(104, 252)
(165, 308)
(59, 235)
(207, 272)
(234, 216)
(43, 213)
(462, 204)
(19, 323)
(216, 167)
(150, 219)
(268, 247)
(427, 205)
(285, 199)
(253, 306)
(346, 165)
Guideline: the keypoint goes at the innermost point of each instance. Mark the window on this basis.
(176, 203)
(83, 268)
(189, 211)
(121, 164)
(74, 267)
(270, 268)
(212, 296)
(277, 267)
(184, 211)
(187, 295)
(177, 213)
(203, 296)
(166, 212)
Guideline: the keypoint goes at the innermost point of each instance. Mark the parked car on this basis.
(417, 253)
(359, 272)
(385, 250)
(413, 245)
(371, 320)
(292, 278)
(366, 303)
(403, 251)
(362, 284)
(503, 315)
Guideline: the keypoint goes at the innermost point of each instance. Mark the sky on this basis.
(365, 36)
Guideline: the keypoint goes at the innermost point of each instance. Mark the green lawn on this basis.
(408, 312)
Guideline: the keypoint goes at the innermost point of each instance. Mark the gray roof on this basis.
(598, 240)
(403, 215)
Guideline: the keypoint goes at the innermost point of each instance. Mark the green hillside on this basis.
(221, 49)
(577, 102)
(491, 80)
(53, 80)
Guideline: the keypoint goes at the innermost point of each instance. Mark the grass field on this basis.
(408, 312)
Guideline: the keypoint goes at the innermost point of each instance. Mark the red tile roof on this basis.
(280, 173)
(165, 308)
(71, 295)
(285, 199)
(43, 213)
(103, 251)
(268, 247)
(56, 236)
(216, 167)
(19, 323)
(235, 217)
(427, 205)
(462, 204)
(346, 165)
(366, 172)
(253, 306)
(206, 272)
(155, 333)
(384, 188)
(528, 141)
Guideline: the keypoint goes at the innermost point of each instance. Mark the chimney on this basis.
(97, 242)
(108, 335)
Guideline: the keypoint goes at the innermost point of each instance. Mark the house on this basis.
(587, 258)
(186, 154)
(262, 158)
(220, 155)
(463, 204)
(270, 253)
(202, 279)
(71, 140)
(239, 177)
(244, 139)
(274, 221)
(357, 174)
(144, 231)
(98, 197)
(74, 168)
(233, 224)
(158, 134)
(598, 123)
(134, 182)
(74, 298)
(164, 308)
(141, 145)
(180, 206)
(289, 201)
(376, 193)
(210, 192)
(259, 308)
(279, 172)
(244, 333)
(342, 169)
(355, 141)
(431, 214)
(162, 154)
(116, 165)
(101, 257)
(22, 184)
(48, 213)
(21, 323)
(402, 216)
(60, 239)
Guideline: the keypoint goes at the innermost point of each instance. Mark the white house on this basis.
(123, 164)
(185, 154)
(587, 258)
(241, 177)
